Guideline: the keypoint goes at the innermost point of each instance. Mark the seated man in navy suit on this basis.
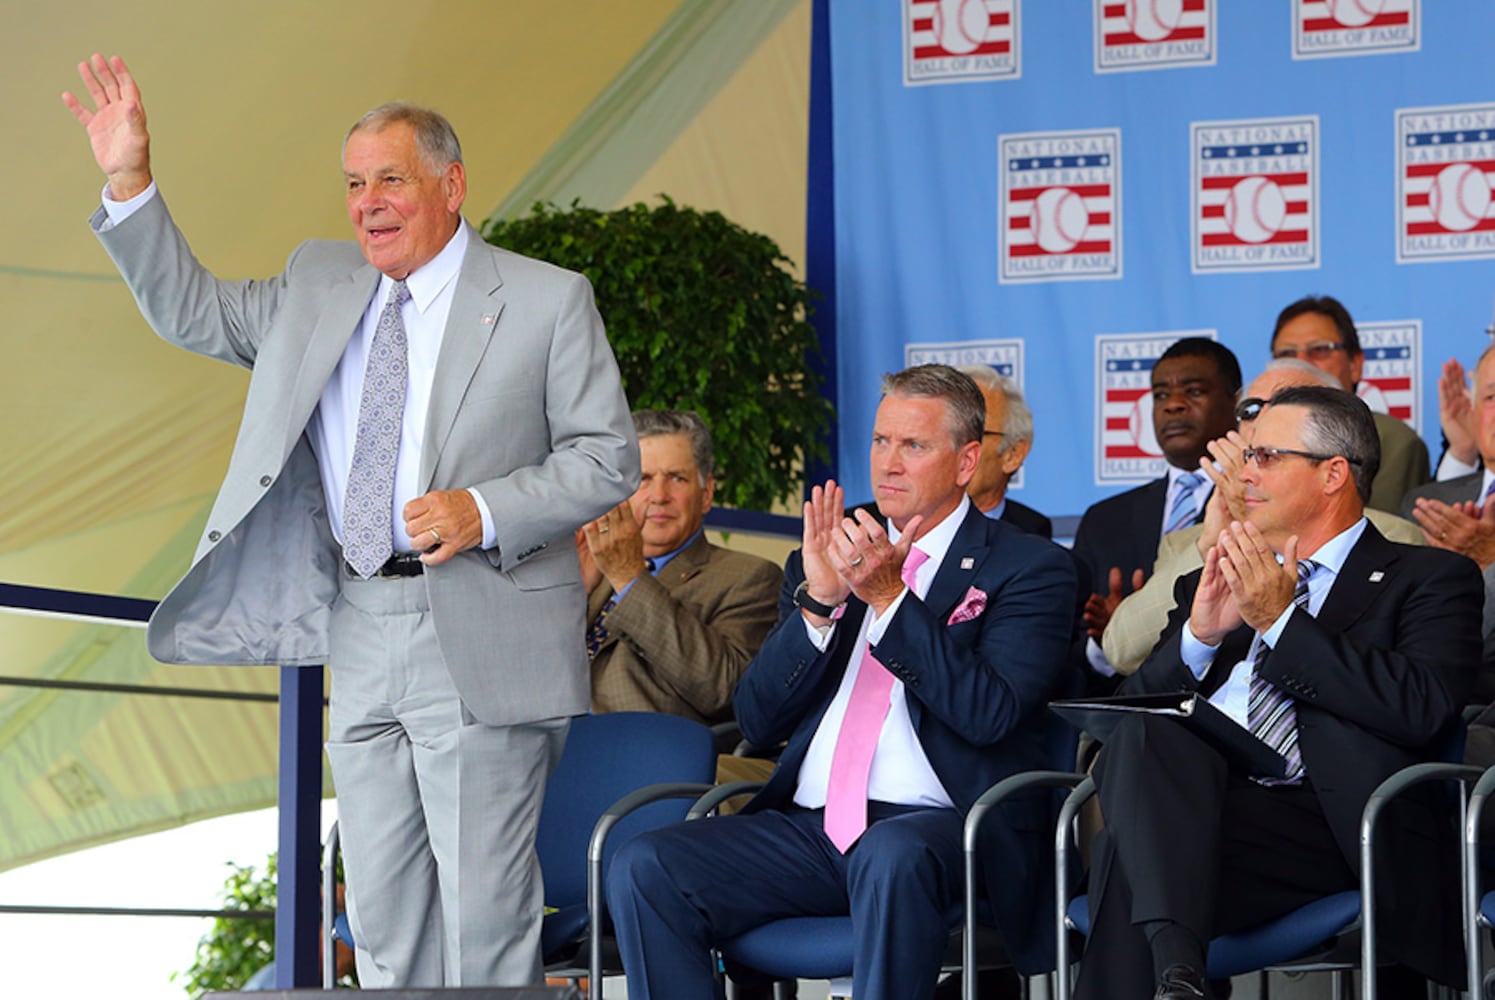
(1348, 654)
(909, 671)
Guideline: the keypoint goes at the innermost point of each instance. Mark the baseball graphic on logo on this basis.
(1153, 20)
(1459, 197)
(1060, 219)
(1139, 426)
(1355, 13)
(960, 25)
(1374, 398)
(1255, 209)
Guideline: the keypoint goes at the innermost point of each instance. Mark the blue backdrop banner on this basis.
(1061, 188)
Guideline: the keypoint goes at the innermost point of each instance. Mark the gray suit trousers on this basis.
(428, 792)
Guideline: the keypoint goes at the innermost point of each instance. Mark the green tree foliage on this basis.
(702, 315)
(235, 949)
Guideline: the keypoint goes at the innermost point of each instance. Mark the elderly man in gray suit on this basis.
(428, 421)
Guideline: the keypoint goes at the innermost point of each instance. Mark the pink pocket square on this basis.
(971, 607)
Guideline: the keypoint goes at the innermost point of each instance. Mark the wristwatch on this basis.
(803, 599)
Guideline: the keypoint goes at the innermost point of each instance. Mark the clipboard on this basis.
(1099, 716)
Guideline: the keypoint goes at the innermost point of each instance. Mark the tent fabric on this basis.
(113, 443)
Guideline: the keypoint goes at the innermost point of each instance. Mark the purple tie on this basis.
(368, 506)
(851, 763)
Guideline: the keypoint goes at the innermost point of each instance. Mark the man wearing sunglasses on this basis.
(1345, 652)
(1319, 329)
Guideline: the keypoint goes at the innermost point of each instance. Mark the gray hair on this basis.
(963, 400)
(1018, 426)
(434, 136)
(1338, 423)
(655, 423)
(1320, 376)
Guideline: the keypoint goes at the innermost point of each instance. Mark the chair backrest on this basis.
(606, 757)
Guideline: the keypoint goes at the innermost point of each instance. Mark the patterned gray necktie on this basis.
(367, 508)
(1270, 711)
(1181, 514)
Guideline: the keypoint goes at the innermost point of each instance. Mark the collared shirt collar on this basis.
(427, 281)
(1332, 554)
(935, 541)
(659, 561)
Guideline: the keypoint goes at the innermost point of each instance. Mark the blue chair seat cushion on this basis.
(1290, 936)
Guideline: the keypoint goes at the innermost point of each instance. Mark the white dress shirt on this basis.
(901, 772)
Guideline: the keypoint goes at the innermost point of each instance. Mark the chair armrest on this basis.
(1396, 784)
(728, 736)
(596, 906)
(719, 794)
(979, 810)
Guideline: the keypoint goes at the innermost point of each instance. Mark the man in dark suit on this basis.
(1194, 388)
(1005, 443)
(900, 703)
(674, 620)
(1352, 657)
(428, 421)
(1320, 330)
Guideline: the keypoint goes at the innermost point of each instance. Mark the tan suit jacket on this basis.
(1140, 617)
(678, 642)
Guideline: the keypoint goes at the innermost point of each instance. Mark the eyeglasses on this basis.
(1000, 434)
(1266, 458)
(1249, 408)
(1319, 350)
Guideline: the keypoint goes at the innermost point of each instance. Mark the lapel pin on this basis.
(1377, 576)
(968, 563)
(488, 319)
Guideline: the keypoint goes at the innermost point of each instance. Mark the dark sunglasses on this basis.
(1249, 408)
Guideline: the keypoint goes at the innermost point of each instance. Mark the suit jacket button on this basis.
(265, 480)
(213, 536)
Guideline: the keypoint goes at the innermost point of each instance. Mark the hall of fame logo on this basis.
(960, 41)
(1128, 449)
(1152, 34)
(1255, 194)
(1355, 27)
(1060, 201)
(1005, 357)
(1445, 170)
(1393, 365)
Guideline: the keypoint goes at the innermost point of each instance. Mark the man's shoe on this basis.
(1181, 982)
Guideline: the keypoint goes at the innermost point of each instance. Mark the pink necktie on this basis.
(846, 791)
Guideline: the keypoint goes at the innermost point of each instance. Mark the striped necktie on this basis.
(1182, 511)
(1270, 711)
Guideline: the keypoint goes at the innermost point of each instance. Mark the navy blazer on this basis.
(1124, 531)
(1025, 517)
(977, 694)
(1379, 677)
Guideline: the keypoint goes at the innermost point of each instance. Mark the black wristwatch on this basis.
(803, 599)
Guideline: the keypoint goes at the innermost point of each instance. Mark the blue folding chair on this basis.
(1301, 933)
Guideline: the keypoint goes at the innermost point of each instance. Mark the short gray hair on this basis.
(1018, 426)
(1339, 423)
(656, 423)
(434, 136)
(966, 405)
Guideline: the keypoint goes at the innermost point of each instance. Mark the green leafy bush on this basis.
(235, 949)
(702, 315)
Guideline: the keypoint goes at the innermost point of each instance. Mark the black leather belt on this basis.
(399, 564)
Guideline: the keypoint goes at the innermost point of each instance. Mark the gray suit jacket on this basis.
(526, 407)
